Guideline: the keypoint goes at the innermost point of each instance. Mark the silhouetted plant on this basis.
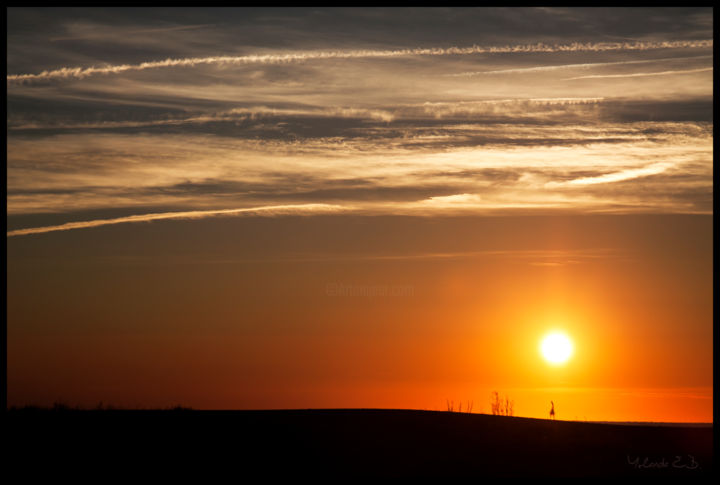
(180, 408)
(60, 406)
(500, 406)
(494, 403)
(451, 406)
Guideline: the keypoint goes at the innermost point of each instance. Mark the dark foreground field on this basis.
(348, 443)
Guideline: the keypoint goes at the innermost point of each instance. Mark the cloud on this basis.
(525, 70)
(368, 124)
(615, 176)
(80, 72)
(407, 165)
(640, 74)
(497, 109)
(233, 116)
(541, 257)
(462, 119)
(266, 210)
(101, 32)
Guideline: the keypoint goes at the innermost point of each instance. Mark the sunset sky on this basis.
(387, 208)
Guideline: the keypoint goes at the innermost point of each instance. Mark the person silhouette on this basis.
(552, 410)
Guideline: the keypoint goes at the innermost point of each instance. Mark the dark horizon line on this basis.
(179, 408)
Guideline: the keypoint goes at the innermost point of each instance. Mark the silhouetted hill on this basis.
(354, 442)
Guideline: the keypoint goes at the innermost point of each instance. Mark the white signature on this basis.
(687, 462)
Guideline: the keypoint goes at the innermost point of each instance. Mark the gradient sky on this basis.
(290, 208)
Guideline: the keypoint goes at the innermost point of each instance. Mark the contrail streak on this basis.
(271, 210)
(640, 74)
(570, 66)
(80, 72)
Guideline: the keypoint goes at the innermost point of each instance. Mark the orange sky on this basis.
(249, 320)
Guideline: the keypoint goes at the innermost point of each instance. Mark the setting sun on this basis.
(556, 348)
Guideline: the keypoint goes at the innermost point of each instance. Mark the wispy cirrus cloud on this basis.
(232, 115)
(628, 174)
(381, 125)
(439, 167)
(102, 32)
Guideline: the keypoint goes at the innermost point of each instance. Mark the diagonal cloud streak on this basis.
(80, 72)
(615, 176)
(571, 66)
(641, 74)
(265, 210)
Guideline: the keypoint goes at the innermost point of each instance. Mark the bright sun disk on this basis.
(556, 348)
